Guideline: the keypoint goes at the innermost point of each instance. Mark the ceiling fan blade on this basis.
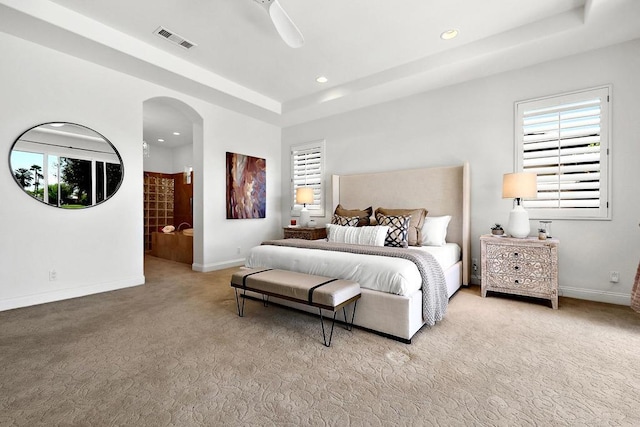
(285, 26)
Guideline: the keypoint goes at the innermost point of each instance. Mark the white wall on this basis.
(160, 160)
(168, 160)
(228, 241)
(474, 121)
(101, 248)
(181, 156)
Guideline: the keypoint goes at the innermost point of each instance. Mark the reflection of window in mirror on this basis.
(114, 176)
(28, 171)
(76, 174)
(66, 165)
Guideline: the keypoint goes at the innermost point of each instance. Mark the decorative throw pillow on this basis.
(363, 214)
(434, 231)
(398, 229)
(350, 221)
(370, 236)
(415, 226)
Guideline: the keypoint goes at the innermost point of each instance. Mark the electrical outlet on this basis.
(614, 276)
(53, 275)
(474, 264)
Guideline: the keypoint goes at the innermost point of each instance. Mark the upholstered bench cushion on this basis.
(306, 288)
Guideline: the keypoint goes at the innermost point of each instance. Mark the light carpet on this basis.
(175, 353)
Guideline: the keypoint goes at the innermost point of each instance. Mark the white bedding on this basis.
(393, 275)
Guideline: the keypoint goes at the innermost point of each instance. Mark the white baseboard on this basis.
(63, 294)
(595, 295)
(205, 268)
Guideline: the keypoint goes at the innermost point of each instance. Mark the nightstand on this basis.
(307, 233)
(526, 267)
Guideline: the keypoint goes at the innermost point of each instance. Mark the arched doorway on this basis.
(172, 132)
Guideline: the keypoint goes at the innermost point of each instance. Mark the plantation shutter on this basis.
(564, 140)
(307, 164)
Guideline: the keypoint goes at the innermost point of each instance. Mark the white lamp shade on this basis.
(521, 185)
(304, 195)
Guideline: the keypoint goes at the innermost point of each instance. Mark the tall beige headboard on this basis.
(440, 190)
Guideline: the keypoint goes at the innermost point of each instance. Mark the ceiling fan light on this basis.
(449, 34)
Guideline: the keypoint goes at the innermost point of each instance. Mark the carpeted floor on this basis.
(174, 352)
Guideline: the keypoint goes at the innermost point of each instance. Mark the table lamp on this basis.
(518, 186)
(304, 195)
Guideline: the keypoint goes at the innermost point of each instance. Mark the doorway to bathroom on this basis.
(168, 179)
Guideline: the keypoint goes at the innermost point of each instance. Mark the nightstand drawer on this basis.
(518, 283)
(522, 268)
(307, 233)
(534, 254)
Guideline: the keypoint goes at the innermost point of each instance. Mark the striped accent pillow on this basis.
(368, 235)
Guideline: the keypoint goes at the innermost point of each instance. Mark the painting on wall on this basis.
(246, 186)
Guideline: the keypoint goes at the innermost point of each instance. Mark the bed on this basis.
(395, 311)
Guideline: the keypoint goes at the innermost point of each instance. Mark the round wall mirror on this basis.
(66, 165)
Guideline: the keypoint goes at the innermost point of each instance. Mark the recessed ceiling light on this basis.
(160, 140)
(176, 133)
(322, 79)
(449, 34)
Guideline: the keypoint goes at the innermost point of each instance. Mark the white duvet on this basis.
(387, 274)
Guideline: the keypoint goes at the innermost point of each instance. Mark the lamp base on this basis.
(305, 216)
(518, 225)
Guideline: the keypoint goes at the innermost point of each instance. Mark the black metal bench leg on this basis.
(238, 305)
(324, 334)
(349, 325)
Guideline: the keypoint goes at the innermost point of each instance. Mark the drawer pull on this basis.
(515, 254)
(516, 268)
(517, 281)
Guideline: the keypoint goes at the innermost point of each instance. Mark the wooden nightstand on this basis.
(527, 267)
(308, 233)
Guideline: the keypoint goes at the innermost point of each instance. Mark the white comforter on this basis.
(393, 275)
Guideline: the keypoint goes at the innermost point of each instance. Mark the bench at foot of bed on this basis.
(316, 291)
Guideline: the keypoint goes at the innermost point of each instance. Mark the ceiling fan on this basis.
(284, 25)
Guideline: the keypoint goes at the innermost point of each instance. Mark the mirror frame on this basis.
(97, 134)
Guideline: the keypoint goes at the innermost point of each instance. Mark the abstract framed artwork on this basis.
(246, 186)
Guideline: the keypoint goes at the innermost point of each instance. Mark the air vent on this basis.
(173, 37)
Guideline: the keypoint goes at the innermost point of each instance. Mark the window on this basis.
(564, 139)
(307, 167)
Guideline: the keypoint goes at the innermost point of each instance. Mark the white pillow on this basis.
(434, 230)
(370, 236)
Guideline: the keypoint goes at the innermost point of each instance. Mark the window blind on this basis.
(564, 141)
(307, 164)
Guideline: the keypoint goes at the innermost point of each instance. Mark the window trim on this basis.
(316, 209)
(603, 212)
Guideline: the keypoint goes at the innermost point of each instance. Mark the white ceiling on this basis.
(371, 51)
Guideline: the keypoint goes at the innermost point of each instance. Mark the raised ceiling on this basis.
(371, 51)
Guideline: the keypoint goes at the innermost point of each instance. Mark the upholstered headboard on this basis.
(440, 190)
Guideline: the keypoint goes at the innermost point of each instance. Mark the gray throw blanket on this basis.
(434, 287)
